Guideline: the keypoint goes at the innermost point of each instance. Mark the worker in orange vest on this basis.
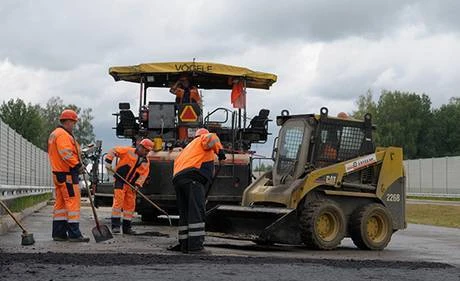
(134, 167)
(193, 170)
(64, 155)
(185, 92)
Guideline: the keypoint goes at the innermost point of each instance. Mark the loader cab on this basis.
(308, 142)
(293, 146)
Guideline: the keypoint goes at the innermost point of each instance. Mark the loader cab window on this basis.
(290, 143)
(350, 142)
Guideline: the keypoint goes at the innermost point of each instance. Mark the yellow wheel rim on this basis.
(327, 226)
(377, 228)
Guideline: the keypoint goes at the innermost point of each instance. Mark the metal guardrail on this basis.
(437, 195)
(21, 162)
(8, 192)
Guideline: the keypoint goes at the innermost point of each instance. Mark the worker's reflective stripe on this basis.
(126, 219)
(59, 218)
(73, 213)
(66, 153)
(196, 225)
(140, 180)
(196, 233)
(73, 221)
(127, 214)
(212, 143)
(182, 227)
(116, 216)
(116, 213)
(67, 157)
(60, 211)
(183, 236)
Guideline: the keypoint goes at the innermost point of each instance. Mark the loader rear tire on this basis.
(322, 225)
(371, 227)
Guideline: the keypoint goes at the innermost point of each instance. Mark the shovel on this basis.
(27, 238)
(141, 194)
(100, 232)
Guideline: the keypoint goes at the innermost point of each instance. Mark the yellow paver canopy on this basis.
(204, 74)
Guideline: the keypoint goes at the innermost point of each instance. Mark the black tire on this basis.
(371, 227)
(322, 225)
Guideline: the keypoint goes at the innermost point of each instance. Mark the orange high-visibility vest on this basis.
(63, 151)
(199, 155)
(130, 166)
(194, 95)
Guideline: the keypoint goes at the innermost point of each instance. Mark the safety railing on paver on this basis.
(8, 192)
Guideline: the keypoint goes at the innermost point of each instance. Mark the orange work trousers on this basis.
(124, 203)
(66, 211)
(67, 204)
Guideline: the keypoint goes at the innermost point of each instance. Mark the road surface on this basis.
(417, 253)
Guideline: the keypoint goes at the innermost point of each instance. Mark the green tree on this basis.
(50, 113)
(447, 129)
(24, 119)
(365, 104)
(405, 119)
(83, 131)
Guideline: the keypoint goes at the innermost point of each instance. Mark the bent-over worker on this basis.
(193, 170)
(134, 167)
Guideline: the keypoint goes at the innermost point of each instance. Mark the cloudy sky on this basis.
(325, 53)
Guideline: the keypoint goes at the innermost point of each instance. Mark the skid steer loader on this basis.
(328, 182)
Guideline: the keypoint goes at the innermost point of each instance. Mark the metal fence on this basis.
(433, 176)
(436, 177)
(21, 162)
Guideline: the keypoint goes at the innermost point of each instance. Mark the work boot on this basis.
(129, 231)
(115, 229)
(201, 251)
(60, 239)
(174, 248)
(127, 228)
(79, 239)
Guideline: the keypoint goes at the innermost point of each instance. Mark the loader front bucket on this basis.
(258, 224)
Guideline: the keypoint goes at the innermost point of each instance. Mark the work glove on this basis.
(221, 155)
(109, 168)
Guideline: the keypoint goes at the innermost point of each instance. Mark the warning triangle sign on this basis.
(188, 114)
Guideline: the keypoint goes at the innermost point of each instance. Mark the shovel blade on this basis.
(27, 239)
(101, 233)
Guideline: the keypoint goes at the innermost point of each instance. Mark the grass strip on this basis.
(439, 215)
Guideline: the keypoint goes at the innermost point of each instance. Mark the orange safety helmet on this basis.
(342, 115)
(68, 114)
(201, 131)
(148, 144)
